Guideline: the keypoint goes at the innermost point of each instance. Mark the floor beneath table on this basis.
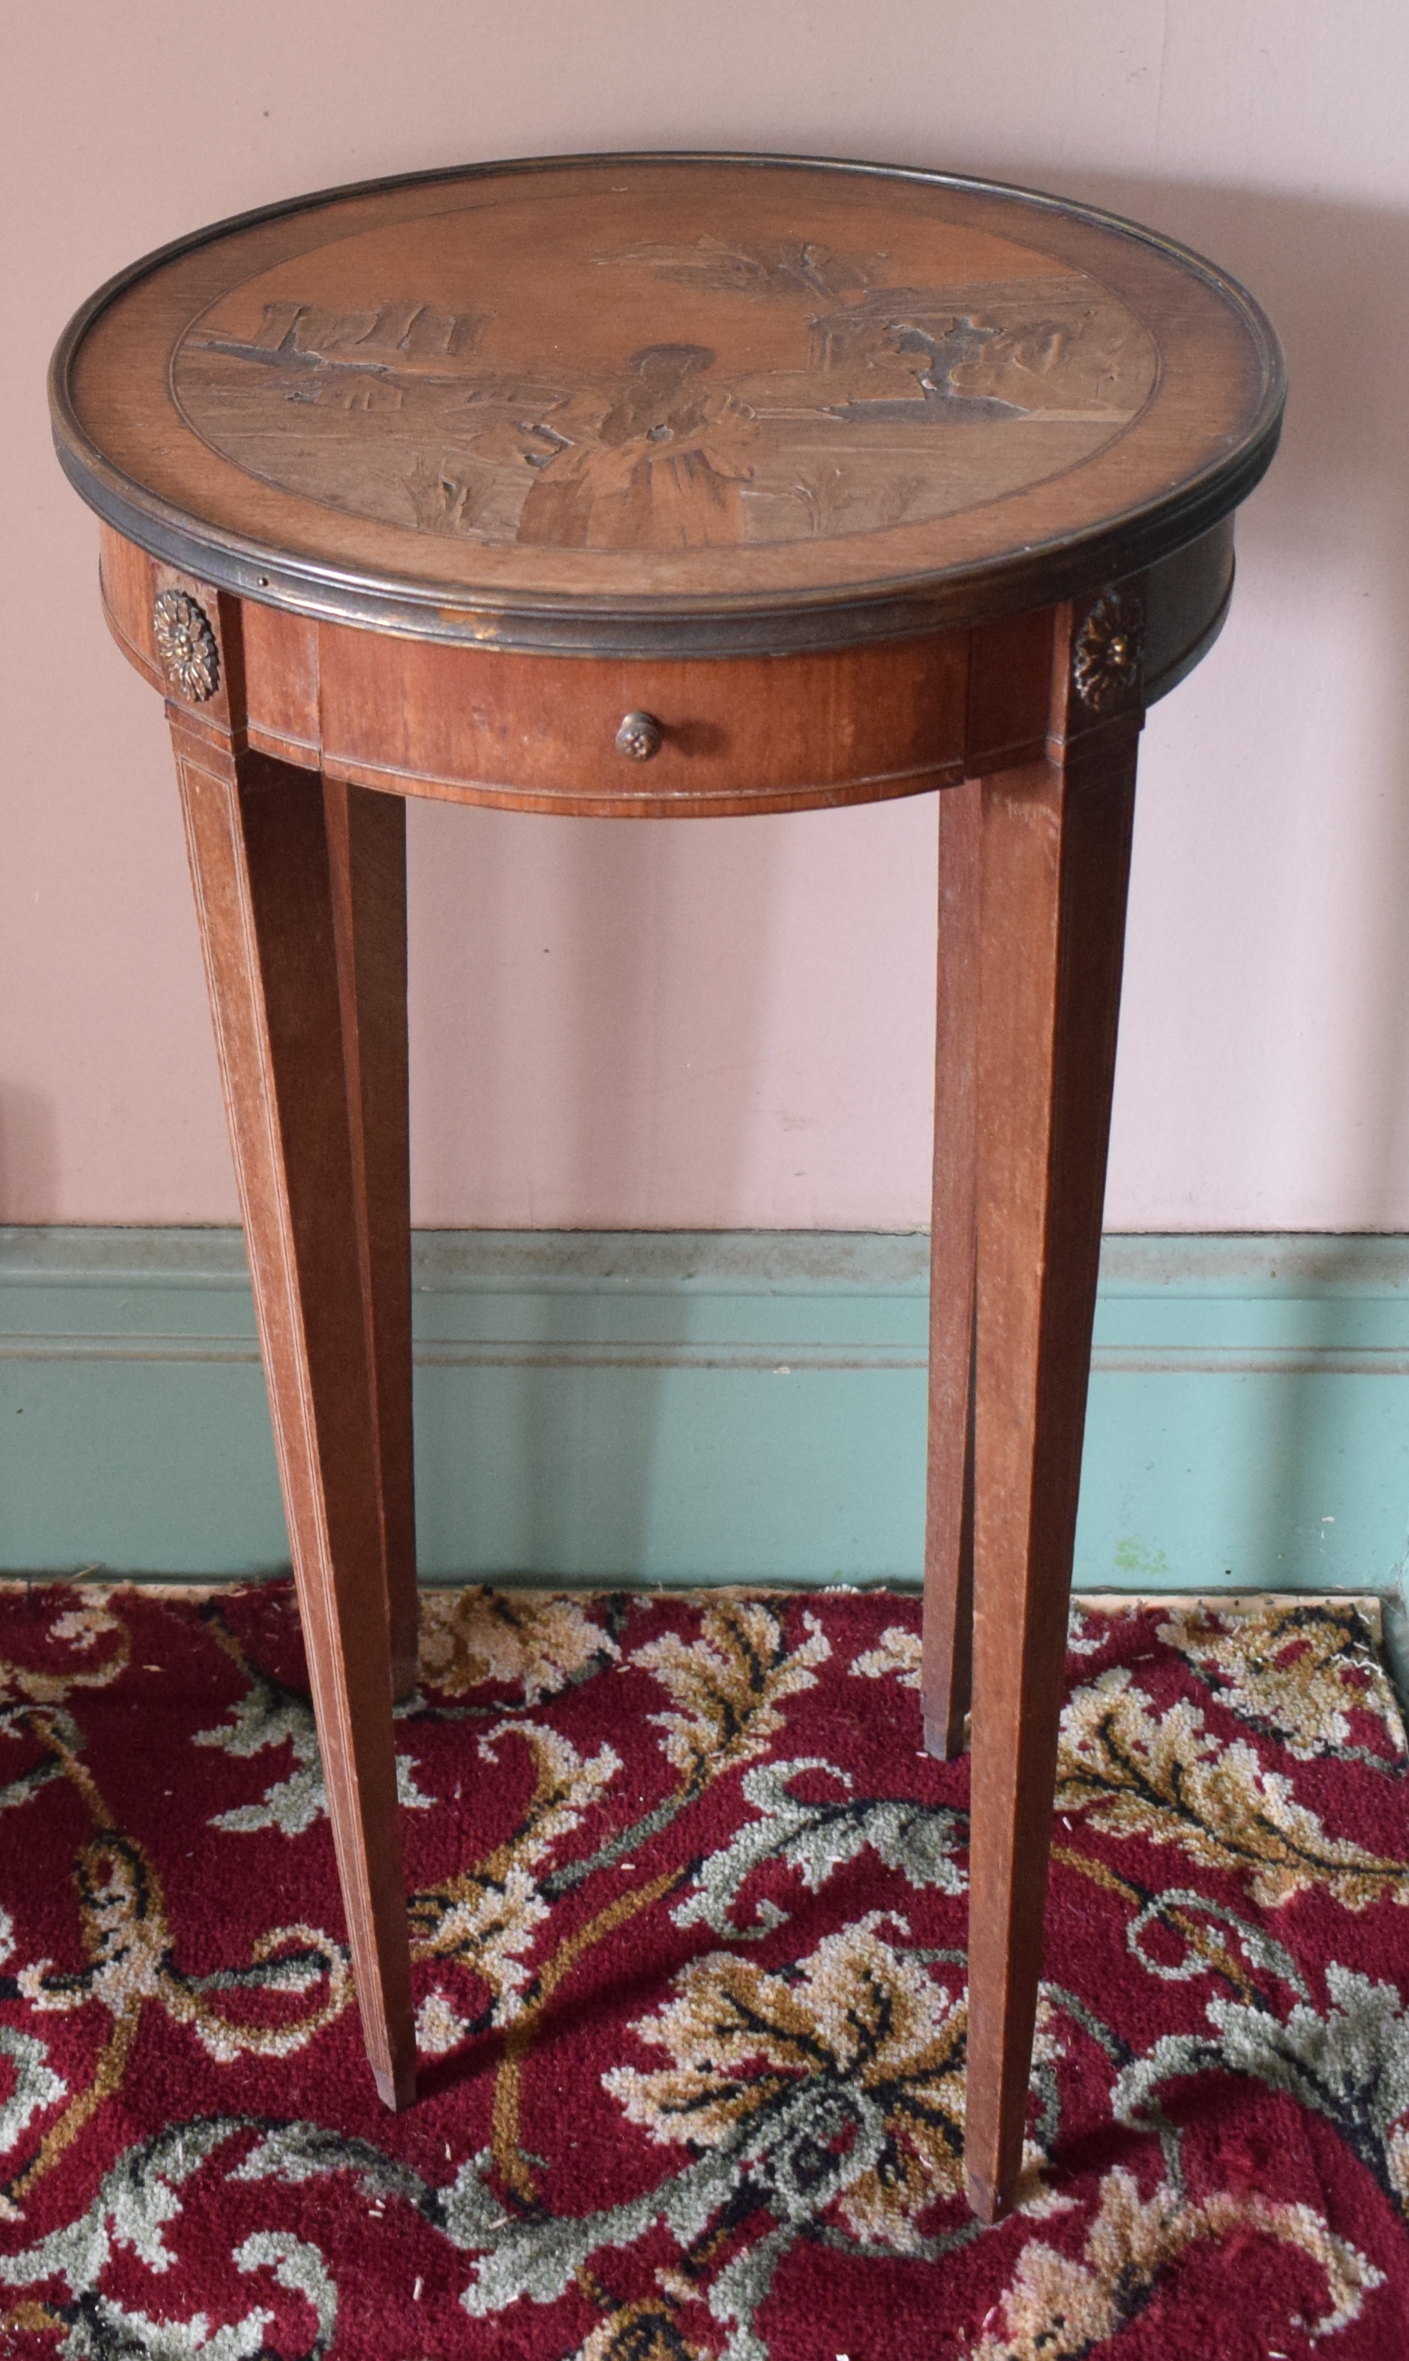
(689, 1921)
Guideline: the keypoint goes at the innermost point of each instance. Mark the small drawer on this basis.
(608, 735)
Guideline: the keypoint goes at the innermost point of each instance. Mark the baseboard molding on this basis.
(679, 1407)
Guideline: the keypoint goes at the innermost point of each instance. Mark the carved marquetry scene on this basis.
(618, 393)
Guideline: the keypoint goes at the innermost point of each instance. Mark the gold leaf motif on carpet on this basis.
(1296, 1672)
(1060, 2306)
(79, 1626)
(488, 1915)
(1166, 1777)
(856, 2053)
(729, 1684)
(518, 1640)
(897, 1652)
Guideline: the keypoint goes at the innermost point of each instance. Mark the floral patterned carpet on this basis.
(688, 1917)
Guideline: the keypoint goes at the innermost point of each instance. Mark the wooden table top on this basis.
(750, 404)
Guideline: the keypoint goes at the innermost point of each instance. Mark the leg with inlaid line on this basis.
(1055, 859)
(367, 846)
(264, 876)
(949, 1529)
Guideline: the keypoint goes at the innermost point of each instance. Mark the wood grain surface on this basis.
(947, 1667)
(1054, 863)
(272, 860)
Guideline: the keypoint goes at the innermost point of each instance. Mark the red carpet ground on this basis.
(688, 1912)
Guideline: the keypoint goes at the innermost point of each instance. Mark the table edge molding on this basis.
(758, 623)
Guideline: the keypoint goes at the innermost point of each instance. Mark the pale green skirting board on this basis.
(679, 1407)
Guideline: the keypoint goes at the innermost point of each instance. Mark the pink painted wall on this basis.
(728, 1025)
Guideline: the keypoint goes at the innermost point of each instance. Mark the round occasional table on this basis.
(656, 487)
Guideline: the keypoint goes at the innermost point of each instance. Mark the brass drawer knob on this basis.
(639, 737)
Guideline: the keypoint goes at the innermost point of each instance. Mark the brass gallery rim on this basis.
(638, 403)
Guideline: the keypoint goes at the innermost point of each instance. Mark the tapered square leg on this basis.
(272, 888)
(949, 1513)
(1054, 860)
(367, 856)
